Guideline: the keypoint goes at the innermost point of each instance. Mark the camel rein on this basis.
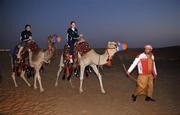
(107, 54)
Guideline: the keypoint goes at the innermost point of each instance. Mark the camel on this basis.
(93, 59)
(62, 67)
(36, 60)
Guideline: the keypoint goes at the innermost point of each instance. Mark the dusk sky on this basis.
(136, 22)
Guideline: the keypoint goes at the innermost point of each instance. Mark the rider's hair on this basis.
(27, 25)
(72, 22)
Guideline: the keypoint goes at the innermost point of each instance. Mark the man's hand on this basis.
(154, 78)
(128, 74)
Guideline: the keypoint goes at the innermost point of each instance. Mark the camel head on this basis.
(51, 42)
(112, 48)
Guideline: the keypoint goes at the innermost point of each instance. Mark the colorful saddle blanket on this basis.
(23, 62)
(82, 48)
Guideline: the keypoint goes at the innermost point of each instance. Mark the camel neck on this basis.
(48, 54)
(103, 58)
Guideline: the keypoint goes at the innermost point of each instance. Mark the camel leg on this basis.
(23, 77)
(58, 75)
(59, 71)
(81, 78)
(14, 79)
(35, 80)
(39, 80)
(99, 77)
(72, 86)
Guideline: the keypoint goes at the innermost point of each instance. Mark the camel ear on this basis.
(109, 42)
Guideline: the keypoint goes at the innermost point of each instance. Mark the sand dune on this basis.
(63, 100)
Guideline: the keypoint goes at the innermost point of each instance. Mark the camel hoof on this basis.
(41, 90)
(16, 85)
(80, 91)
(29, 85)
(56, 84)
(35, 88)
(103, 92)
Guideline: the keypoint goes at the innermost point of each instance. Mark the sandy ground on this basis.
(63, 100)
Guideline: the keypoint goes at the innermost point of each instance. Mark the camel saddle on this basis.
(23, 62)
(82, 48)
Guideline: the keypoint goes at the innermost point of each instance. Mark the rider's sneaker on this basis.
(71, 61)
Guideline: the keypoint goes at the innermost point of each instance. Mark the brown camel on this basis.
(36, 60)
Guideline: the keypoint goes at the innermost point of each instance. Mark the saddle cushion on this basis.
(83, 48)
(21, 64)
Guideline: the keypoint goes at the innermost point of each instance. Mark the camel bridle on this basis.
(109, 61)
(116, 46)
(50, 44)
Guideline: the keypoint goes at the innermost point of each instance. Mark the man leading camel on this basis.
(147, 72)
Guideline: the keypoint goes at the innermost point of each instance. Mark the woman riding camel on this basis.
(72, 37)
(26, 36)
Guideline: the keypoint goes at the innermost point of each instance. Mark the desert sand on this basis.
(63, 100)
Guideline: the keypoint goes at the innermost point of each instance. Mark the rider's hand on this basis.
(30, 37)
(80, 35)
(18, 56)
